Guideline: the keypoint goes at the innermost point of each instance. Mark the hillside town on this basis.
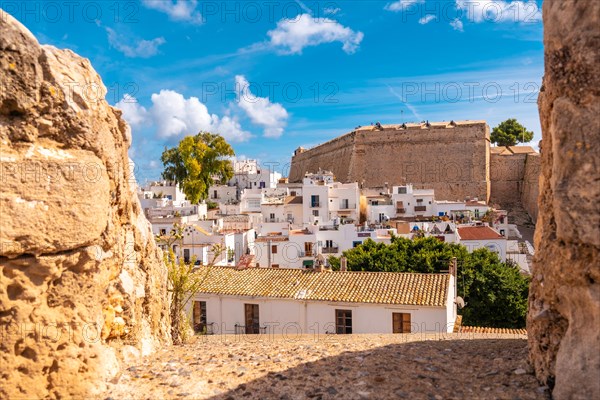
(258, 232)
(294, 200)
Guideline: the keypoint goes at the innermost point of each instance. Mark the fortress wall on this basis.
(530, 192)
(452, 160)
(506, 178)
(335, 156)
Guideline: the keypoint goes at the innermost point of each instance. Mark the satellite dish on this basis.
(460, 302)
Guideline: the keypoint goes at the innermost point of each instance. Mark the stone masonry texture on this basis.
(452, 159)
(564, 301)
(81, 279)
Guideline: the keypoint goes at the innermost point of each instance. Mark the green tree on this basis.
(196, 162)
(509, 132)
(495, 292)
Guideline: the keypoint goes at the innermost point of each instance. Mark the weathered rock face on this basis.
(564, 313)
(81, 277)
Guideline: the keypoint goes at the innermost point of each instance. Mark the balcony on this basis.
(302, 254)
(315, 204)
(330, 250)
(420, 208)
(347, 206)
(400, 210)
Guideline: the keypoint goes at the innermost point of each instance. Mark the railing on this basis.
(330, 250)
(420, 208)
(273, 220)
(254, 329)
(302, 254)
(329, 228)
(315, 204)
(401, 211)
(347, 206)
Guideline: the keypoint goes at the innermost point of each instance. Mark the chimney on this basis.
(343, 264)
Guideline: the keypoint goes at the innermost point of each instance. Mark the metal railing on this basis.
(330, 250)
(255, 329)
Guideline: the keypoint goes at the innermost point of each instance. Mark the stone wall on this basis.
(514, 180)
(82, 282)
(531, 183)
(564, 300)
(453, 159)
(506, 176)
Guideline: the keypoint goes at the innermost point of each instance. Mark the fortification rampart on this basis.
(452, 158)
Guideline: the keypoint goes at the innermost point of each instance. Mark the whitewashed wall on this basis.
(294, 317)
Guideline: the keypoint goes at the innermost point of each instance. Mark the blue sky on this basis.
(274, 75)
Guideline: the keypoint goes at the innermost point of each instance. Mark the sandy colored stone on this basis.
(564, 303)
(453, 160)
(80, 273)
(449, 366)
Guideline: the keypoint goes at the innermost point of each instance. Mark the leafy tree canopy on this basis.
(495, 292)
(509, 132)
(196, 162)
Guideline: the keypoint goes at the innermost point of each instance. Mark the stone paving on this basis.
(450, 366)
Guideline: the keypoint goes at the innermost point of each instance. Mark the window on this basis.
(345, 204)
(292, 193)
(275, 266)
(199, 316)
(262, 185)
(163, 232)
(272, 216)
(274, 249)
(315, 213)
(356, 244)
(402, 190)
(215, 194)
(186, 255)
(314, 201)
(401, 323)
(308, 248)
(343, 321)
(381, 217)
(252, 319)
(328, 244)
(419, 200)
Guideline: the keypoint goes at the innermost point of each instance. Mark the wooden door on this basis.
(252, 319)
(400, 322)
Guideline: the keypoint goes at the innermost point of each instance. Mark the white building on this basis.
(406, 202)
(325, 202)
(248, 174)
(478, 237)
(293, 302)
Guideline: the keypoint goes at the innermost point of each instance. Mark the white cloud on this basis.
(500, 11)
(271, 116)
(427, 19)
(177, 10)
(292, 35)
(173, 115)
(401, 5)
(135, 114)
(457, 25)
(142, 48)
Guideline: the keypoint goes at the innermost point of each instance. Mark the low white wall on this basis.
(293, 317)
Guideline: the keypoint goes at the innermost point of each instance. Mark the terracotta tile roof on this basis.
(354, 287)
(521, 149)
(293, 200)
(483, 329)
(478, 233)
(500, 150)
(460, 328)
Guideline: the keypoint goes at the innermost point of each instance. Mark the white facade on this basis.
(226, 314)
